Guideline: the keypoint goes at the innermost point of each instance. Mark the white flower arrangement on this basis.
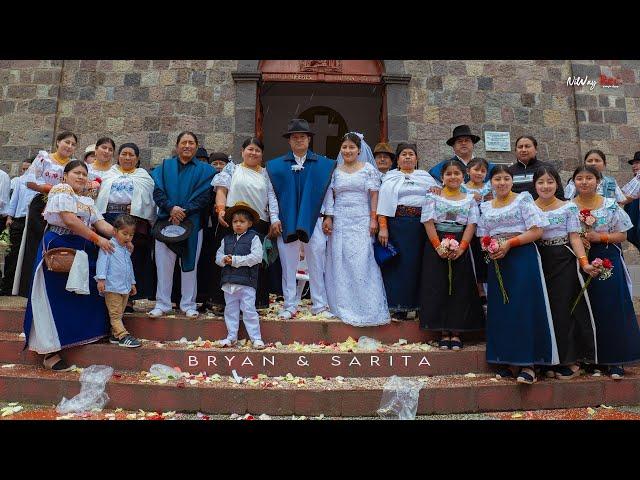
(296, 168)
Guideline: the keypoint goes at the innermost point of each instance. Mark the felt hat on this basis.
(228, 215)
(297, 125)
(462, 131)
(384, 148)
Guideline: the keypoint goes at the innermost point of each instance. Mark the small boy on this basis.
(114, 274)
(239, 256)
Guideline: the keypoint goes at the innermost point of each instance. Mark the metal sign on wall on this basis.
(497, 141)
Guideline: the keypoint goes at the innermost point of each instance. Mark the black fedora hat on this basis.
(166, 232)
(636, 158)
(297, 125)
(462, 131)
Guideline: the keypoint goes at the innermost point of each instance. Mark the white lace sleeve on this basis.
(223, 179)
(474, 213)
(329, 199)
(34, 173)
(573, 221)
(481, 230)
(620, 196)
(373, 181)
(621, 221)
(61, 200)
(530, 213)
(570, 190)
(428, 208)
(632, 188)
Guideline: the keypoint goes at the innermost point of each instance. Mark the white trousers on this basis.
(165, 263)
(315, 255)
(243, 298)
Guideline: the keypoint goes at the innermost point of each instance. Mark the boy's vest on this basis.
(239, 275)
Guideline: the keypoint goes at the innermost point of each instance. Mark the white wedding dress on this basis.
(353, 280)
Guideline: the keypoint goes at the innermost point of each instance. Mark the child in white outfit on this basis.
(239, 256)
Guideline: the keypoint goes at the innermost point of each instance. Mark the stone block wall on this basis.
(29, 91)
(143, 101)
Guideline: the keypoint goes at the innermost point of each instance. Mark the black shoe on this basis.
(59, 366)
(503, 373)
(129, 309)
(616, 372)
(113, 340)
(129, 342)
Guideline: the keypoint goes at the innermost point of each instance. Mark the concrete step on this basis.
(306, 396)
(174, 327)
(304, 360)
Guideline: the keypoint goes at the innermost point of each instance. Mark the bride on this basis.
(354, 283)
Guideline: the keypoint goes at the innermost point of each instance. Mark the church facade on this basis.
(569, 106)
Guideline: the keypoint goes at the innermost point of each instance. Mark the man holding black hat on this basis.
(462, 142)
(182, 193)
(298, 191)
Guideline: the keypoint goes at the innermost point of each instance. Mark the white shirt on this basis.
(5, 189)
(20, 198)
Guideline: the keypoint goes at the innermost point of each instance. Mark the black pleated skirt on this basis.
(575, 333)
(461, 311)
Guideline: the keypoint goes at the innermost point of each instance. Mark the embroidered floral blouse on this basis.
(444, 210)
(517, 217)
(44, 170)
(62, 198)
(562, 221)
(610, 218)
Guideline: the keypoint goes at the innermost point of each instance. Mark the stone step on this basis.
(174, 327)
(349, 397)
(326, 361)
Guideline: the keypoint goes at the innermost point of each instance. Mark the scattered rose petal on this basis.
(517, 415)
(591, 411)
(9, 365)
(607, 407)
(264, 416)
(471, 375)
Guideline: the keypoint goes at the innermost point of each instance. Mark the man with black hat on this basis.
(462, 142)
(632, 191)
(298, 191)
(384, 155)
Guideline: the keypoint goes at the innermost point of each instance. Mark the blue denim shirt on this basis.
(116, 268)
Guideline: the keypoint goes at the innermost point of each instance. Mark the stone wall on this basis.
(29, 91)
(143, 101)
(528, 97)
(151, 101)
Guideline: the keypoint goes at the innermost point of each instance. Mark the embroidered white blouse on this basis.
(562, 221)
(62, 198)
(44, 170)
(610, 218)
(444, 210)
(517, 217)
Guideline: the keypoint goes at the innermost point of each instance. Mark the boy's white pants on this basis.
(243, 298)
(315, 255)
(165, 263)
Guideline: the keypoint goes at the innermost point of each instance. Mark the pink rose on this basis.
(494, 246)
(445, 243)
(453, 245)
(590, 220)
(597, 262)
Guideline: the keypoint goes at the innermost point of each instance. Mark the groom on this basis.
(298, 192)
